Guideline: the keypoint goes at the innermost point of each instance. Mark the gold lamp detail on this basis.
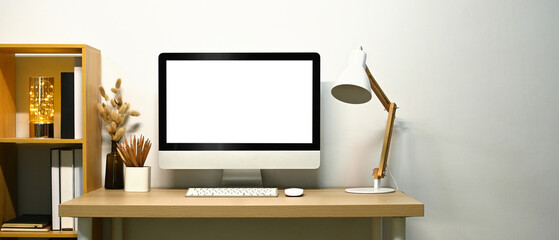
(41, 107)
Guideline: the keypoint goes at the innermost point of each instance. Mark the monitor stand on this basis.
(241, 178)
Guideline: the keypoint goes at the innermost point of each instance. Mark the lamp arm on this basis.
(379, 172)
(377, 90)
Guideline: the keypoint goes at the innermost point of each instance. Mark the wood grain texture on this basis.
(8, 152)
(91, 67)
(42, 48)
(171, 203)
(51, 234)
(386, 142)
(377, 90)
(7, 95)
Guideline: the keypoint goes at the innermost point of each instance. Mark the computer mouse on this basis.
(293, 192)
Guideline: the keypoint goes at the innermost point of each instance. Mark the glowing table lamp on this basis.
(41, 107)
(354, 86)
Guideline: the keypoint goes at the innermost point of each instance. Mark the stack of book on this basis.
(28, 223)
(66, 184)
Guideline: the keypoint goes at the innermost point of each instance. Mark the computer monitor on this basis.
(239, 110)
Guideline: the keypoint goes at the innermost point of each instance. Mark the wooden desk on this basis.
(171, 203)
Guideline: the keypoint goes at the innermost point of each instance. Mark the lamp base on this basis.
(41, 130)
(369, 190)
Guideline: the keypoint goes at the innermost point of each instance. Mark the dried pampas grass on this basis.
(114, 111)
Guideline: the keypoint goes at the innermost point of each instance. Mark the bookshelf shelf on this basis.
(9, 140)
(41, 140)
(50, 234)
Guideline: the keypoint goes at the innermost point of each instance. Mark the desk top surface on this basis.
(172, 203)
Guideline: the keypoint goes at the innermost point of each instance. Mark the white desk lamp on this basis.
(354, 86)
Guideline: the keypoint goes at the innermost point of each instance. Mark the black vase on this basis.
(114, 171)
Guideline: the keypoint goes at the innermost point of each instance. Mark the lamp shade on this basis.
(353, 84)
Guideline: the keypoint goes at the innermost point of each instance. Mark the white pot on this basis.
(137, 179)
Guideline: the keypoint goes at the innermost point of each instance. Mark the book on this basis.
(78, 117)
(55, 186)
(28, 221)
(44, 229)
(66, 184)
(78, 176)
(67, 105)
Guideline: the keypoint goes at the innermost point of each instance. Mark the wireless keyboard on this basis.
(232, 192)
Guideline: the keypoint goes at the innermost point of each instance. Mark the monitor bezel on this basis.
(288, 56)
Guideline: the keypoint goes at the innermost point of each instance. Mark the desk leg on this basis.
(85, 228)
(398, 228)
(116, 229)
(376, 228)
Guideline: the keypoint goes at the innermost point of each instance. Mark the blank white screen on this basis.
(232, 101)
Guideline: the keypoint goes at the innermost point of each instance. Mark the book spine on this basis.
(78, 178)
(67, 105)
(66, 184)
(78, 114)
(55, 186)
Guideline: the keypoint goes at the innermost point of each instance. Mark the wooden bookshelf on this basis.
(90, 143)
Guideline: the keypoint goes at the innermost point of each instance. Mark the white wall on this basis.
(476, 133)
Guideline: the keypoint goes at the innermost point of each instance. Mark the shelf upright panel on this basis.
(8, 167)
(91, 62)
